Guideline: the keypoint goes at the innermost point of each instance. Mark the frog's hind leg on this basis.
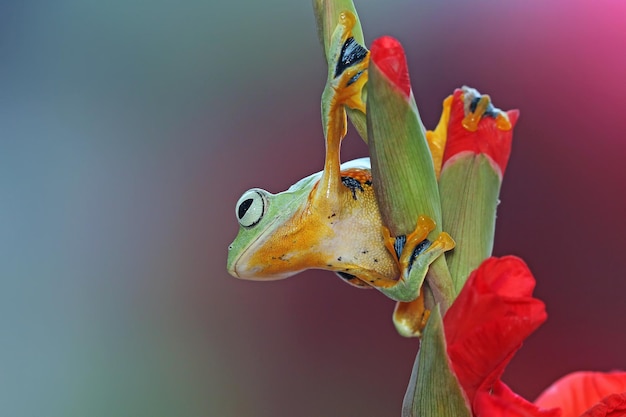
(353, 280)
(347, 74)
(414, 257)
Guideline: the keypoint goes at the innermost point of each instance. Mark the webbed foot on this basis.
(414, 254)
(478, 106)
(347, 74)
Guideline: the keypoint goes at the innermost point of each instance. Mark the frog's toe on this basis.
(425, 253)
(416, 242)
(444, 242)
(349, 66)
(416, 254)
(478, 106)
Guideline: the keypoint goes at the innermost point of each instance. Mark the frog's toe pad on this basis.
(444, 242)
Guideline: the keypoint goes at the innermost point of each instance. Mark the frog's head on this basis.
(270, 242)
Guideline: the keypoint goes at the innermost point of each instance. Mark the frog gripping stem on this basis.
(347, 75)
(414, 256)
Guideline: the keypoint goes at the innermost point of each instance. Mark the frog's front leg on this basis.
(414, 253)
(347, 75)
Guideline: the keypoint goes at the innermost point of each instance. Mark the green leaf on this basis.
(402, 166)
(433, 389)
(402, 169)
(469, 187)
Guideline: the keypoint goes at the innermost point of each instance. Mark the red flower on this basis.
(502, 402)
(612, 406)
(484, 328)
(388, 55)
(596, 394)
(477, 127)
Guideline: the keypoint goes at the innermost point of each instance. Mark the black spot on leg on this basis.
(354, 78)
(419, 249)
(351, 53)
(398, 244)
(339, 259)
(352, 184)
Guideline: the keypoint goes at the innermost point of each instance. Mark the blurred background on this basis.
(128, 130)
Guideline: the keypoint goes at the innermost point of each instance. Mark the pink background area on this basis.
(129, 131)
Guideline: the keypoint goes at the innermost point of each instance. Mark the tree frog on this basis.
(330, 220)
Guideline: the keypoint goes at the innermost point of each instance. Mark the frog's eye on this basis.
(251, 207)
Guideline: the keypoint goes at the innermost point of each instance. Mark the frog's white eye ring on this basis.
(251, 207)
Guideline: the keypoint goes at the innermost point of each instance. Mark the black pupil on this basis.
(243, 207)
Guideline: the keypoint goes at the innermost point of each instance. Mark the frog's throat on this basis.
(243, 257)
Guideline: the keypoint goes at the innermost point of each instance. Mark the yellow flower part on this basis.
(437, 138)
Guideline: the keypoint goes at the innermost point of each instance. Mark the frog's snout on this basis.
(231, 264)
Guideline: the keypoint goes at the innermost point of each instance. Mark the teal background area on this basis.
(129, 129)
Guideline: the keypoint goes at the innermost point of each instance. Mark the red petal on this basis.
(488, 139)
(507, 276)
(579, 391)
(488, 321)
(611, 406)
(388, 55)
(513, 116)
(502, 402)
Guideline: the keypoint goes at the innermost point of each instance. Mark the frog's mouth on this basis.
(238, 262)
